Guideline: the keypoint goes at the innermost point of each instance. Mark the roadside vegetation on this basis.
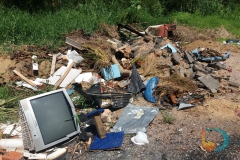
(46, 23)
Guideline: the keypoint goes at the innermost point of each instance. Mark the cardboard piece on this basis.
(111, 73)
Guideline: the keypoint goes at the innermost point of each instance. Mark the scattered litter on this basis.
(15, 144)
(235, 41)
(208, 146)
(112, 141)
(73, 73)
(136, 83)
(98, 122)
(169, 46)
(150, 87)
(209, 55)
(111, 72)
(134, 69)
(183, 105)
(54, 154)
(74, 56)
(88, 77)
(134, 119)
(35, 65)
(225, 138)
(140, 138)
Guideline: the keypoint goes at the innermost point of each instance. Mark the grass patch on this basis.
(167, 117)
(49, 28)
(231, 23)
(9, 98)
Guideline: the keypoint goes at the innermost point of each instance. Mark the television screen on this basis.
(50, 119)
(54, 116)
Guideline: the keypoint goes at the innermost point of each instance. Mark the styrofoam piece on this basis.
(14, 131)
(88, 77)
(8, 129)
(11, 144)
(34, 156)
(73, 73)
(58, 152)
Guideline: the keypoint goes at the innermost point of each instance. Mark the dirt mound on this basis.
(222, 33)
(190, 34)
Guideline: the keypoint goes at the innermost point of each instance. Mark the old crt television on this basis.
(47, 119)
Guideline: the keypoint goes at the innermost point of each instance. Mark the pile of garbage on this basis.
(148, 65)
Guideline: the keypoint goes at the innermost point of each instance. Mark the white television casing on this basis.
(33, 139)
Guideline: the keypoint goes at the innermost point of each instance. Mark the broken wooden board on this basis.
(24, 78)
(54, 59)
(75, 41)
(99, 126)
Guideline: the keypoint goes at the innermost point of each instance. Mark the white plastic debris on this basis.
(140, 138)
(88, 77)
(24, 84)
(74, 56)
(11, 144)
(58, 152)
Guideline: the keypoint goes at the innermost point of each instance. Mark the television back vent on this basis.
(27, 140)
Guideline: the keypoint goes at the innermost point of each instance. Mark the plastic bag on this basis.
(150, 88)
(140, 139)
(136, 83)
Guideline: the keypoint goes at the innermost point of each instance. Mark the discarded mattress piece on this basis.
(135, 119)
(112, 141)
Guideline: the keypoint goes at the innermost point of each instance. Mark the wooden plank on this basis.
(54, 59)
(63, 76)
(75, 41)
(24, 78)
(99, 126)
